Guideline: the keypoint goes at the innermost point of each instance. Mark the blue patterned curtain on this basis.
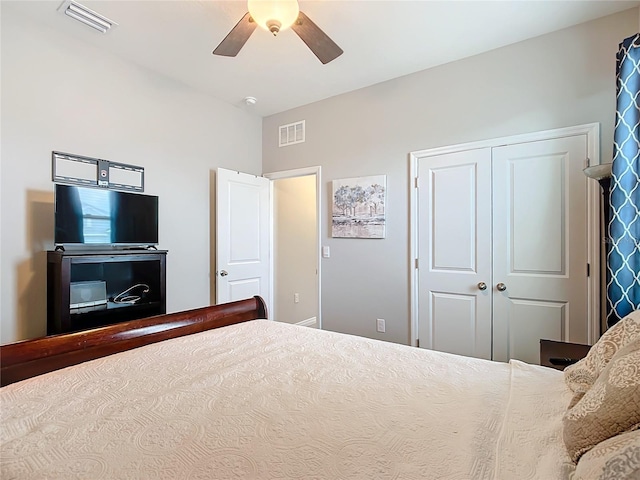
(623, 256)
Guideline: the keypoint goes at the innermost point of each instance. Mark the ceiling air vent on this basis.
(291, 133)
(87, 16)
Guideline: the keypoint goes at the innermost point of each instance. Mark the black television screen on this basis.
(100, 216)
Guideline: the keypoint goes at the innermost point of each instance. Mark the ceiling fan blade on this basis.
(320, 44)
(237, 37)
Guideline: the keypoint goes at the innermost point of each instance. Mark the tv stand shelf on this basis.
(111, 272)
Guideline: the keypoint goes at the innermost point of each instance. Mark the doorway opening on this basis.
(295, 220)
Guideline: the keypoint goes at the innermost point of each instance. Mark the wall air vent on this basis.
(88, 17)
(291, 134)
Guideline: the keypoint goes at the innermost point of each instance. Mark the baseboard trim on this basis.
(309, 322)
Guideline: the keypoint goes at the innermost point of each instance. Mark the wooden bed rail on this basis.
(29, 358)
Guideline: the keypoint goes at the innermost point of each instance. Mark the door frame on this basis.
(300, 172)
(592, 131)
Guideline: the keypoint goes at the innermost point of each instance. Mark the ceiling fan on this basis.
(275, 16)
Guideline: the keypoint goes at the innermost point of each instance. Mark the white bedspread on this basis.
(265, 400)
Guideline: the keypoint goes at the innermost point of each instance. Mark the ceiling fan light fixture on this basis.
(274, 15)
(274, 26)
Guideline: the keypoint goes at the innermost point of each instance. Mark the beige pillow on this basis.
(582, 375)
(611, 406)
(617, 458)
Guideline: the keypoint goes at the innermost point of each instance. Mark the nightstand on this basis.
(560, 355)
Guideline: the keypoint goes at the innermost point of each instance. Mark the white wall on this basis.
(561, 79)
(60, 95)
(295, 248)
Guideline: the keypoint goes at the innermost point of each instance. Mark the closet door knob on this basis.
(482, 286)
(501, 287)
(223, 273)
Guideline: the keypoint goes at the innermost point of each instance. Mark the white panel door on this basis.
(454, 251)
(514, 218)
(540, 246)
(242, 236)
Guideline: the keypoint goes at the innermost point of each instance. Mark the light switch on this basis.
(325, 252)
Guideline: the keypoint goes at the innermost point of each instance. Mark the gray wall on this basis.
(557, 80)
(58, 94)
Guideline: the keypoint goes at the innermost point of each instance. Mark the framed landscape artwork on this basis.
(358, 209)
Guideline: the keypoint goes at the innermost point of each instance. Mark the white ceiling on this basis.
(381, 40)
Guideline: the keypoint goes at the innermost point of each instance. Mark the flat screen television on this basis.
(98, 216)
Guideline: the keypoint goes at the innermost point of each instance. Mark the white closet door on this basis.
(454, 251)
(540, 246)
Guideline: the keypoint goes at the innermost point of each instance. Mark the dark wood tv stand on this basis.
(117, 270)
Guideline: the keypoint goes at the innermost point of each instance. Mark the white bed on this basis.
(266, 400)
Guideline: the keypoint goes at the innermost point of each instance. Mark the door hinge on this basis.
(588, 269)
(416, 182)
(418, 342)
(416, 263)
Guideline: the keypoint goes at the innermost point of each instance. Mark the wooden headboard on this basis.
(29, 358)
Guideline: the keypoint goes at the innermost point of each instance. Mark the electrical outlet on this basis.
(380, 325)
(296, 298)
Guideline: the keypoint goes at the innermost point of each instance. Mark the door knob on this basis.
(482, 286)
(501, 287)
(223, 273)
